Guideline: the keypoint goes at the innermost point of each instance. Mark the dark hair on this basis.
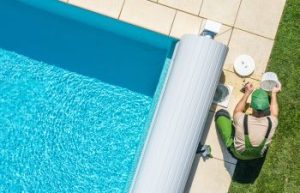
(262, 112)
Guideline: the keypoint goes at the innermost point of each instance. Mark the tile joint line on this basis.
(172, 23)
(123, 3)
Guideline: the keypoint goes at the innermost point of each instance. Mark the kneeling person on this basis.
(248, 136)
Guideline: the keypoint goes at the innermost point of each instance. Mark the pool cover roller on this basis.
(179, 117)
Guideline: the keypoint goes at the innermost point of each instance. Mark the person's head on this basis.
(260, 103)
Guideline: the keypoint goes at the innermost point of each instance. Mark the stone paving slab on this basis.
(259, 48)
(190, 6)
(185, 24)
(110, 8)
(223, 11)
(209, 176)
(149, 15)
(260, 16)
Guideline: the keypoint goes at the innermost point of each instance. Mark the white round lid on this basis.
(244, 65)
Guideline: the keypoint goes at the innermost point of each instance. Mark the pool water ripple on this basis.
(65, 132)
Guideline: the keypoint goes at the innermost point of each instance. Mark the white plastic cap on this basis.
(212, 26)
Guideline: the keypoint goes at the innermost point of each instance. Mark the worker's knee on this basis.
(222, 119)
(223, 113)
(224, 126)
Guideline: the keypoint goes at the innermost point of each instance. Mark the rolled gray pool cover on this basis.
(180, 115)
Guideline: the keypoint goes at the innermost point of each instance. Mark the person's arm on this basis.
(240, 107)
(274, 109)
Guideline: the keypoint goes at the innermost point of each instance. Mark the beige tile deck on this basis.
(190, 6)
(260, 16)
(185, 24)
(210, 176)
(224, 35)
(257, 47)
(223, 11)
(110, 8)
(149, 15)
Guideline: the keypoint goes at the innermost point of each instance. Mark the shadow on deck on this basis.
(247, 171)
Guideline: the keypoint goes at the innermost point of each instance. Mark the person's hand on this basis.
(276, 88)
(249, 88)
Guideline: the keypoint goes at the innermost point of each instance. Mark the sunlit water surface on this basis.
(64, 132)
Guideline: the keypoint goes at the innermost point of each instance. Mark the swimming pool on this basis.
(76, 89)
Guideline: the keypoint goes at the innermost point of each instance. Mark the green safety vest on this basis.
(250, 151)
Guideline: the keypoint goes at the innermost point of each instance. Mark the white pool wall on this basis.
(180, 115)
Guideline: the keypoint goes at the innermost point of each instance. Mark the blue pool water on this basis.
(76, 97)
(65, 132)
(85, 42)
